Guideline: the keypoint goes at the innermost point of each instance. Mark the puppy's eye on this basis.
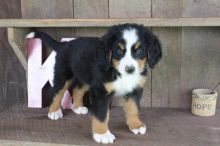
(120, 52)
(139, 51)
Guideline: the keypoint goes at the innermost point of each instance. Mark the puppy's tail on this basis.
(46, 39)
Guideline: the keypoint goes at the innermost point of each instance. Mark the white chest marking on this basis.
(126, 84)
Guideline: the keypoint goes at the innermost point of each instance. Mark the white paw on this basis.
(55, 115)
(105, 138)
(80, 110)
(141, 130)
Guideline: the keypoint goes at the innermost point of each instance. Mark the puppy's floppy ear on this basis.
(104, 55)
(109, 38)
(154, 52)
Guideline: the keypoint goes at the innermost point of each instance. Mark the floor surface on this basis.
(166, 127)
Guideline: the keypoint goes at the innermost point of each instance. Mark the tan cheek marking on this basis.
(132, 114)
(78, 95)
(109, 87)
(58, 97)
(141, 63)
(115, 63)
(98, 126)
(142, 82)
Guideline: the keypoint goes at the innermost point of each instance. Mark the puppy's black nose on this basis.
(129, 69)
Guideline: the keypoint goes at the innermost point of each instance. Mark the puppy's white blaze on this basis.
(30, 35)
(130, 36)
(127, 82)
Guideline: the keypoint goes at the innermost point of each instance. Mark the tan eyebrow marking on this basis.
(137, 45)
(121, 46)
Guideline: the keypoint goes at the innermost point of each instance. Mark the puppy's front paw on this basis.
(55, 115)
(141, 130)
(80, 110)
(105, 138)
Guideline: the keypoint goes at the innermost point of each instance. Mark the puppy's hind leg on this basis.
(60, 86)
(78, 93)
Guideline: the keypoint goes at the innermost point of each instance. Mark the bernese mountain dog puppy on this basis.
(113, 65)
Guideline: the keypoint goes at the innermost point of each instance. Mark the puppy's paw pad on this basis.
(80, 110)
(142, 130)
(105, 138)
(55, 115)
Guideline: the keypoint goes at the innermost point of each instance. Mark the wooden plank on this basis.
(16, 37)
(200, 53)
(11, 4)
(129, 8)
(3, 13)
(14, 9)
(91, 9)
(10, 9)
(64, 32)
(167, 8)
(56, 33)
(27, 143)
(166, 76)
(201, 8)
(94, 9)
(146, 100)
(12, 78)
(47, 9)
(92, 32)
(167, 127)
(3, 4)
(12, 75)
(200, 61)
(155, 22)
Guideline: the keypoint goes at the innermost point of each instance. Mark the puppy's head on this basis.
(131, 47)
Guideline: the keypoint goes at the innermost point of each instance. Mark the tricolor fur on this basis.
(101, 68)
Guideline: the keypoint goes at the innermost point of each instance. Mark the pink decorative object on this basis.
(39, 74)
